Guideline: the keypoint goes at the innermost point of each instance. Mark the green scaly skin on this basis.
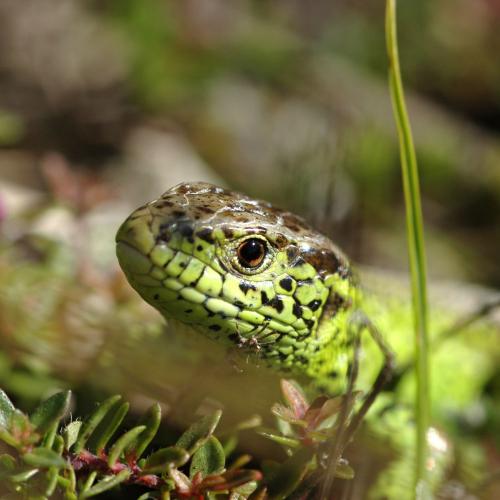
(291, 311)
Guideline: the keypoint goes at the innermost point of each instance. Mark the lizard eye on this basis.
(251, 253)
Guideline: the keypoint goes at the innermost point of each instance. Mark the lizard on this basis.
(262, 281)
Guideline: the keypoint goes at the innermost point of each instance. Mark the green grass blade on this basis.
(416, 247)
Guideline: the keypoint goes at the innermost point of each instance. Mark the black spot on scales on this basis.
(286, 283)
(299, 262)
(206, 209)
(309, 323)
(314, 305)
(245, 286)
(297, 310)
(277, 304)
(205, 234)
(163, 204)
(292, 252)
(156, 296)
(214, 328)
(264, 298)
(302, 359)
(282, 356)
(163, 233)
(185, 229)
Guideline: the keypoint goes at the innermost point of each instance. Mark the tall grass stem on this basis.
(416, 248)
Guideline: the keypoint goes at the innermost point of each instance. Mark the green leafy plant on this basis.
(83, 459)
(306, 432)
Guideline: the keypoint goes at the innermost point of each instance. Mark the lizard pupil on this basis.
(251, 252)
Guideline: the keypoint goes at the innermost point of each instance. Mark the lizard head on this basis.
(238, 269)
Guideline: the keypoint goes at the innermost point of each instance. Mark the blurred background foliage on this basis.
(105, 104)
(282, 99)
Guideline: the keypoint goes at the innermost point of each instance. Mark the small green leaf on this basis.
(152, 421)
(50, 434)
(20, 424)
(244, 491)
(6, 409)
(105, 484)
(58, 444)
(344, 470)
(160, 461)
(288, 476)
(249, 423)
(231, 480)
(199, 432)
(283, 440)
(70, 433)
(7, 462)
(93, 421)
(20, 431)
(8, 438)
(51, 411)
(209, 458)
(43, 457)
(122, 442)
(89, 481)
(260, 495)
(230, 444)
(284, 427)
(22, 477)
(150, 496)
(113, 420)
(52, 475)
(240, 462)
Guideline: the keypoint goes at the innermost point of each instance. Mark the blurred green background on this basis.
(106, 104)
(286, 100)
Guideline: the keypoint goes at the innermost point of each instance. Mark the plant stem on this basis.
(416, 247)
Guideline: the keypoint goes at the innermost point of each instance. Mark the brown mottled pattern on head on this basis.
(206, 204)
